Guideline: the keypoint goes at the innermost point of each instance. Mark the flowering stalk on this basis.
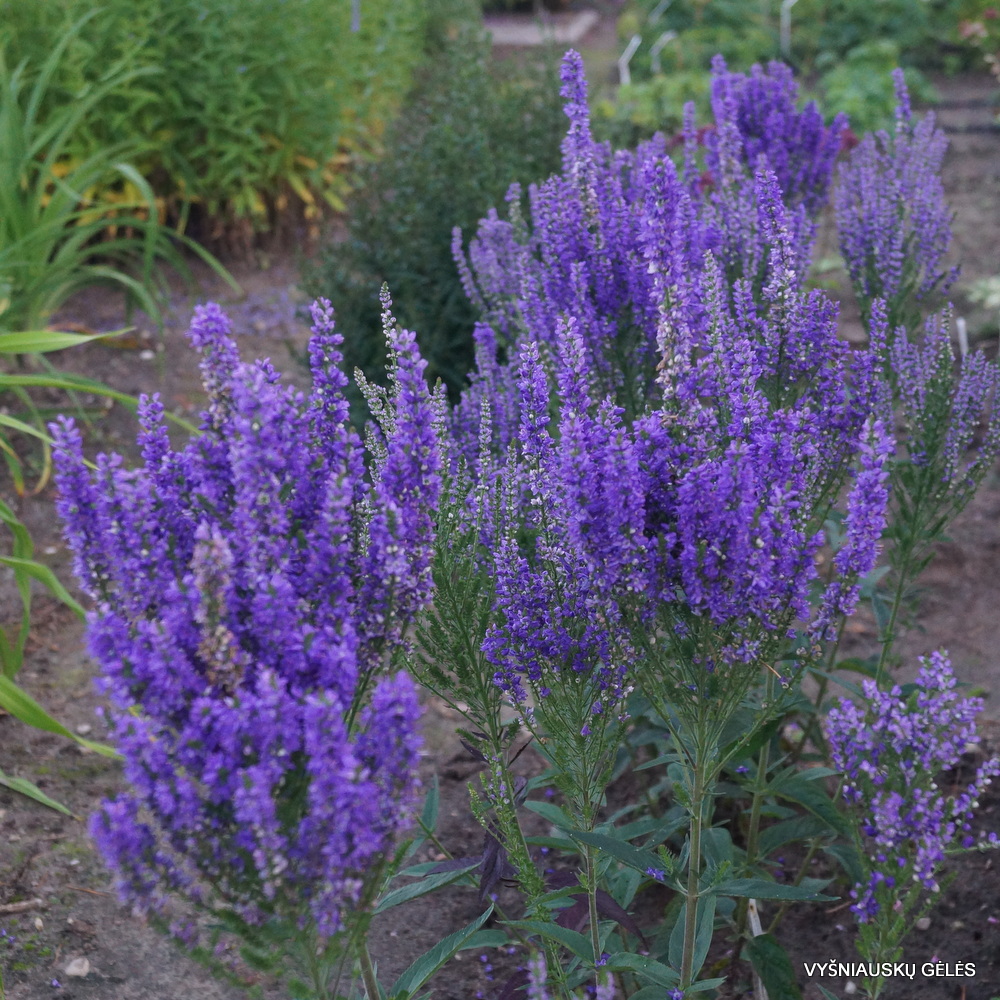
(941, 409)
(252, 589)
(667, 517)
(891, 750)
(893, 223)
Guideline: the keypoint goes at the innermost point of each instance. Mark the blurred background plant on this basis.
(844, 50)
(979, 28)
(470, 127)
(257, 108)
(72, 216)
(61, 228)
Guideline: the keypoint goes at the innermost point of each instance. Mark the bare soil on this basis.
(56, 901)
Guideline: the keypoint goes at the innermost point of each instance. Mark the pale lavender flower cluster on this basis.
(890, 750)
(893, 223)
(250, 588)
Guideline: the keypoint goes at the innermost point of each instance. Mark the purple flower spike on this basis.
(891, 749)
(894, 225)
(250, 587)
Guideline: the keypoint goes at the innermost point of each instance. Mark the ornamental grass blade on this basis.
(45, 341)
(25, 787)
(22, 706)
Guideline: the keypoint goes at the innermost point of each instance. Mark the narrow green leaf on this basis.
(45, 576)
(850, 861)
(812, 797)
(551, 812)
(576, 942)
(23, 428)
(760, 888)
(44, 341)
(421, 888)
(414, 977)
(79, 383)
(703, 934)
(646, 993)
(827, 995)
(704, 985)
(882, 612)
(717, 846)
(25, 787)
(22, 706)
(632, 856)
(429, 814)
(772, 964)
(657, 973)
(790, 830)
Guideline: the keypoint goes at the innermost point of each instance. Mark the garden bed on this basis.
(47, 861)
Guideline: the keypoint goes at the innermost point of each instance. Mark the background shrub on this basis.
(255, 104)
(845, 51)
(469, 129)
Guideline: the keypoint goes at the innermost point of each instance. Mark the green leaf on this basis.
(25, 787)
(827, 995)
(656, 972)
(24, 428)
(717, 846)
(812, 797)
(577, 943)
(762, 888)
(646, 993)
(849, 860)
(772, 964)
(882, 612)
(632, 856)
(788, 831)
(44, 341)
(45, 576)
(22, 706)
(551, 812)
(414, 977)
(703, 934)
(429, 814)
(421, 888)
(703, 985)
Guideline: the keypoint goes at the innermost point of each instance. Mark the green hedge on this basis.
(254, 102)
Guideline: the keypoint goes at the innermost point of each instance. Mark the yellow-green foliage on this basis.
(252, 102)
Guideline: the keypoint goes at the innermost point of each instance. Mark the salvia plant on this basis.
(890, 749)
(629, 546)
(892, 220)
(251, 590)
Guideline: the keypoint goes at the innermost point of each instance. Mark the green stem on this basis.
(595, 935)
(814, 729)
(340, 971)
(368, 972)
(694, 873)
(753, 834)
(889, 636)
